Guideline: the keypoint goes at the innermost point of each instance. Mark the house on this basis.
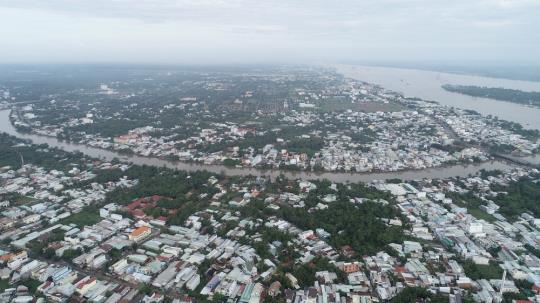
(193, 282)
(350, 267)
(21, 255)
(119, 266)
(140, 233)
(154, 298)
(274, 289)
(84, 285)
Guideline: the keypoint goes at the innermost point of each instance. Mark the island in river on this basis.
(497, 93)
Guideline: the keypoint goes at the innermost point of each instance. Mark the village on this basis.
(64, 239)
(333, 124)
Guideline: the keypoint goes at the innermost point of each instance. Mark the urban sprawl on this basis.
(79, 229)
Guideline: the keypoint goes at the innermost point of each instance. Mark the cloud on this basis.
(494, 23)
(283, 29)
(514, 3)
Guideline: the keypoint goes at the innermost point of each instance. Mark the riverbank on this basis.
(531, 99)
(462, 170)
(427, 85)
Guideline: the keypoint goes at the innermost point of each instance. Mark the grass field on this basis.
(480, 214)
(88, 216)
(23, 200)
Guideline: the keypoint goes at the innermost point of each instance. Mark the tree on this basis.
(146, 289)
(412, 294)
(49, 253)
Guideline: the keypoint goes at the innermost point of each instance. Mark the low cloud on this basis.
(306, 29)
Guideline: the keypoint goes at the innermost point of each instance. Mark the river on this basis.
(432, 173)
(427, 85)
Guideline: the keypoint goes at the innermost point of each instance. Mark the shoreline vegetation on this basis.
(230, 163)
(496, 93)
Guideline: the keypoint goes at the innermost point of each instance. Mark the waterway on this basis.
(427, 85)
(432, 173)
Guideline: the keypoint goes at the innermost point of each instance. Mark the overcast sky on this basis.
(259, 31)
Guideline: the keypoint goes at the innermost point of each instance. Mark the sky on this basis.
(269, 31)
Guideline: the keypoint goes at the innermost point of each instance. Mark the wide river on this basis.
(427, 85)
(432, 173)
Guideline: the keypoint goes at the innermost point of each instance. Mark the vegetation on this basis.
(497, 93)
(472, 203)
(476, 271)
(305, 273)
(512, 297)
(70, 254)
(4, 284)
(309, 146)
(231, 162)
(181, 191)
(500, 148)
(418, 294)
(518, 197)
(146, 289)
(14, 152)
(530, 134)
(357, 226)
(32, 284)
(533, 250)
(87, 216)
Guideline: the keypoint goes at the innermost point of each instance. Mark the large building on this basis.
(140, 233)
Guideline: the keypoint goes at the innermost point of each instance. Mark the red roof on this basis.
(139, 231)
(135, 204)
(138, 213)
(84, 282)
(162, 258)
(187, 299)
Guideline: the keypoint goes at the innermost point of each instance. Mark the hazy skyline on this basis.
(241, 31)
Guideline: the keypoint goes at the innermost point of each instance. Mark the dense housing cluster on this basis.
(80, 229)
(88, 230)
